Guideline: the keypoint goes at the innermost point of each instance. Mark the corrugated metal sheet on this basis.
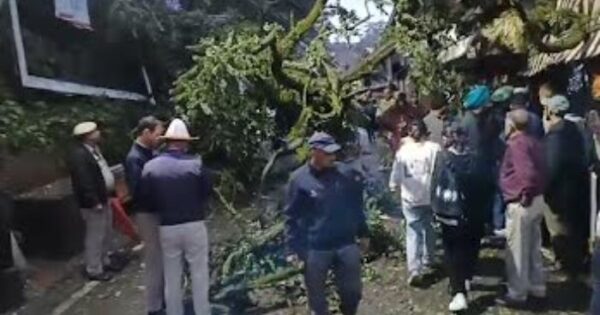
(587, 49)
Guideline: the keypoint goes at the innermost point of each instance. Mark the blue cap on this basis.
(478, 97)
(324, 142)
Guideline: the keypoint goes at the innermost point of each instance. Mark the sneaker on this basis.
(458, 303)
(414, 280)
(99, 277)
(500, 233)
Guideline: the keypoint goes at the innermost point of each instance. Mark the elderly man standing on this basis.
(566, 192)
(148, 132)
(522, 183)
(93, 182)
(175, 185)
(324, 219)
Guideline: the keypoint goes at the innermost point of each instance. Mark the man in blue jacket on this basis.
(325, 219)
(147, 132)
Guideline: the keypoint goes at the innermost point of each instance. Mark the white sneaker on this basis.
(458, 303)
(500, 233)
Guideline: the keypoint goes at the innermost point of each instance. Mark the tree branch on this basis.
(287, 44)
(369, 63)
(574, 36)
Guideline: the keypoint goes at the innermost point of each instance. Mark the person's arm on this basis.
(435, 177)
(397, 174)
(84, 178)
(133, 173)
(357, 181)
(146, 196)
(553, 158)
(295, 233)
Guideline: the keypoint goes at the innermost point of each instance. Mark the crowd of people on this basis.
(496, 167)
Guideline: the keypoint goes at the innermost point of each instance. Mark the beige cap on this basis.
(178, 131)
(84, 128)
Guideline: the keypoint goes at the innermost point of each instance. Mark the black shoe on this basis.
(510, 302)
(99, 277)
(117, 264)
(114, 267)
(538, 303)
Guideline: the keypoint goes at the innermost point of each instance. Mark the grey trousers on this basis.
(148, 228)
(189, 241)
(346, 266)
(524, 264)
(98, 231)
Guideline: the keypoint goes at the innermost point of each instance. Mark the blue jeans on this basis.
(346, 266)
(420, 238)
(595, 307)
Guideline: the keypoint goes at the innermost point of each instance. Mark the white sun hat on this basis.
(178, 131)
(84, 128)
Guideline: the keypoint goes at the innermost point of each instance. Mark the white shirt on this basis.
(412, 172)
(109, 178)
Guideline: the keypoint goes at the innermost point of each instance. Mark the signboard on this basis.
(73, 61)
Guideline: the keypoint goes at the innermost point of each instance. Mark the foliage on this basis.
(216, 96)
(508, 30)
(260, 84)
(421, 39)
(46, 126)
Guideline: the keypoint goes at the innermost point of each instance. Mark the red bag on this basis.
(121, 220)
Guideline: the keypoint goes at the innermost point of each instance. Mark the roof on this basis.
(587, 49)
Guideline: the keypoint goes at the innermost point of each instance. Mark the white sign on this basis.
(74, 11)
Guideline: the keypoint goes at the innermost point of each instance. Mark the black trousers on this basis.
(461, 253)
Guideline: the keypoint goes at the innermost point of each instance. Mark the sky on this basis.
(359, 7)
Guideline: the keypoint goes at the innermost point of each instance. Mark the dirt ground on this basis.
(385, 292)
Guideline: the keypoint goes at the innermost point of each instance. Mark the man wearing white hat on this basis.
(175, 185)
(93, 182)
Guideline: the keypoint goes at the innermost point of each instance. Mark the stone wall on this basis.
(28, 170)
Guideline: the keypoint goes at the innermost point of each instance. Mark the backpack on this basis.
(448, 200)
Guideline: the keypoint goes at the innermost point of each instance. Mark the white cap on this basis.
(178, 131)
(84, 128)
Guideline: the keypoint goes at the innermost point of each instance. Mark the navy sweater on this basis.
(176, 186)
(324, 210)
(137, 157)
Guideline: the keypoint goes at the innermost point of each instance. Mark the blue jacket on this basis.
(137, 157)
(176, 186)
(324, 210)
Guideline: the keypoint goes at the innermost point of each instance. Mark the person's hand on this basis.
(293, 260)
(364, 244)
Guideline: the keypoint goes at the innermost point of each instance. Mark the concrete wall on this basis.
(28, 170)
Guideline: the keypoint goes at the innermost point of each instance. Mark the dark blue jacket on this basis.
(324, 210)
(176, 186)
(137, 157)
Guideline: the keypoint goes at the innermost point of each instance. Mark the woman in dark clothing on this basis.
(566, 194)
(458, 206)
